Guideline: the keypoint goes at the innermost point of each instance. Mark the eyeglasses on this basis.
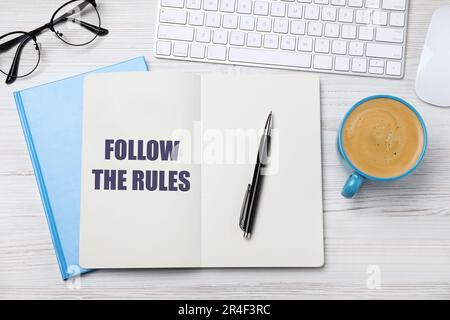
(76, 23)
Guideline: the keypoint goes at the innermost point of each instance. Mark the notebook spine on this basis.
(41, 185)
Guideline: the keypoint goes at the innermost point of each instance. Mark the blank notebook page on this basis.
(288, 230)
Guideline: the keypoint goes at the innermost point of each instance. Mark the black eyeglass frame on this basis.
(32, 35)
(28, 37)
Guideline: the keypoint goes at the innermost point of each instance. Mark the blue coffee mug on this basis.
(357, 177)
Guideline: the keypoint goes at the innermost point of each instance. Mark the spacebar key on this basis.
(277, 58)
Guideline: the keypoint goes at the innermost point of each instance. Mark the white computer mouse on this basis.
(433, 75)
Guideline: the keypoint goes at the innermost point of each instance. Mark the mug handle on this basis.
(352, 185)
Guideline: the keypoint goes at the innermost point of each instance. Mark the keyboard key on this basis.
(397, 19)
(305, 44)
(203, 35)
(386, 51)
(365, 33)
(213, 20)
(346, 15)
(163, 48)
(359, 65)
(275, 58)
(322, 46)
(271, 41)
(363, 16)
(349, 31)
(298, 27)
(356, 49)
(355, 3)
(312, 12)
(237, 38)
(247, 23)
(281, 26)
(295, 11)
(389, 35)
(376, 70)
(380, 18)
(254, 39)
(244, 6)
(287, 43)
(220, 37)
(315, 29)
(323, 62)
(329, 13)
(227, 5)
(377, 63)
(173, 16)
(217, 52)
(196, 18)
(394, 5)
(338, 2)
(374, 4)
(198, 51)
(172, 3)
(339, 47)
(394, 68)
(261, 8)
(172, 32)
(211, 5)
(342, 64)
(230, 21)
(278, 9)
(180, 49)
(332, 30)
(193, 4)
(264, 24)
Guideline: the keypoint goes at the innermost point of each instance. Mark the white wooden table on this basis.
(397, 233)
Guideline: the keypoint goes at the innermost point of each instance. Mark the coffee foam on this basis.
(383, 138)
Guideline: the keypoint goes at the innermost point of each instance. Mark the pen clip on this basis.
(244, 211)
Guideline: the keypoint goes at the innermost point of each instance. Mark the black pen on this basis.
(248, 210)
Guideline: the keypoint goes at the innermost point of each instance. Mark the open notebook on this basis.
(166, 161)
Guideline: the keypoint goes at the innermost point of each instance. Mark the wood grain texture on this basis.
(401, 227)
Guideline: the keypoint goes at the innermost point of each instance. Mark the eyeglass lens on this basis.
(77, 23)
(27, 50)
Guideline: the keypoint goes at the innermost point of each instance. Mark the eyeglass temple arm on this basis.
(13, 42)
(92, 28)
(12, 74)
(78, 8)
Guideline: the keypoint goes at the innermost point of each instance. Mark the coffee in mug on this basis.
(381, 138)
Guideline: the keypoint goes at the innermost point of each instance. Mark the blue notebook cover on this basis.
(51, 117)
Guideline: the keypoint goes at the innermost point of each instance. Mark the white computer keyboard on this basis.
(359, 37)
